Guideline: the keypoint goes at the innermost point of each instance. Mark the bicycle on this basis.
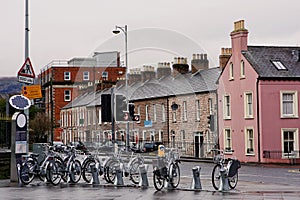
(89, 161)
(231, 170)
(32, 168)
(112, 163)
(166, 169)
(68, 167)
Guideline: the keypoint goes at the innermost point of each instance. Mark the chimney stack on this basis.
(199, 62)
(224, 57)
(239, 37)
(180, 66)
(148, 73)
(134, 75)
(163, 69)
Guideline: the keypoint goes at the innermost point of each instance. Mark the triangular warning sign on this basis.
(27, 70)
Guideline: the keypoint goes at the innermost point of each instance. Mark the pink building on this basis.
(258, 101)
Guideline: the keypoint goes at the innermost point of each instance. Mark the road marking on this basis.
(294, 171)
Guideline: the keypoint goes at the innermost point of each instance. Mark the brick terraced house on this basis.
(176, 106)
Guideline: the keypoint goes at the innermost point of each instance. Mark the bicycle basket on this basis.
(217, 158)
(234, 166)
(176, 155)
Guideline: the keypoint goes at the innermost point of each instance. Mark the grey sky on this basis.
(158, 30)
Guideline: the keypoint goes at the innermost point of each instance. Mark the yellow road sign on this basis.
(32, 91)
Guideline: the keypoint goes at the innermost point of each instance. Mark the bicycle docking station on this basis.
(196, 183)
(119, 175)
(224, 184)
(94, 170)
(143, 176)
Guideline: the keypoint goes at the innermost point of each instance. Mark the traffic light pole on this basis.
(112, 116)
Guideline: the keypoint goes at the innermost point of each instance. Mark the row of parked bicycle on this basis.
(64, 163)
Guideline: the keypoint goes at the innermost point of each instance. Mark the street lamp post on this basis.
(117, 31)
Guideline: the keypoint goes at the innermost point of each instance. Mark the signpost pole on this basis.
(26, 111)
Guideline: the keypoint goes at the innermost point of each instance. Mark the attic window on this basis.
(278, 64)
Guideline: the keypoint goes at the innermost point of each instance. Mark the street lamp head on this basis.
(116, 31)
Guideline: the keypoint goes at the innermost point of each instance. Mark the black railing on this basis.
(281, 154)
(189, 149)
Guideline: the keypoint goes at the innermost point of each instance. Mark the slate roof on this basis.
(201, 81)
(82, 100)
(260, 58)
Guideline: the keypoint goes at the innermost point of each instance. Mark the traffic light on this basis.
(131, 110)
(211, 122)
(106, 107)
(136, 118)
(121, 113)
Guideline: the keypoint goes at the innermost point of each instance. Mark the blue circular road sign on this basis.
(19, 102)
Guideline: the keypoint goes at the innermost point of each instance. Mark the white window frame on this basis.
(86, 75)
(99, 118)
(154, 113)
(163, 113)
(67, 76)
(67, 97)
(226, 107)
(249, 143)
(294, 102)
(184, 107)
(231, 76)
(242, 69)
(227, 140)
(147, 112)
(248, 105)
(104, 75)
(160, 135)
(210, 104)
(94, 116)
(295, 142)
(183, 139)
(197, 104)
(174, 116)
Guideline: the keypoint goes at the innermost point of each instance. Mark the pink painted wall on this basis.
(236, 88)
(270, 120)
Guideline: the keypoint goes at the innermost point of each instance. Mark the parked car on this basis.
(151, 146)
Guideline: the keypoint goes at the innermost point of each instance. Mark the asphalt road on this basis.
(255, 182)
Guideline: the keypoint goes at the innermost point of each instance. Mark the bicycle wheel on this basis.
(134, 171)
(174, 174)
(64, 169)
(216, 176)
(111, 171)
(158, 181)
(86, 170)
(26, 172)
(232, 181)
(75, 171)
(52, 173)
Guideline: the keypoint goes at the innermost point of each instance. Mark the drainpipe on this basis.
(216, 132)
(168, 122)
(258, 119)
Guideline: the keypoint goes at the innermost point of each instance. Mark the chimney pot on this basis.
(194, 56)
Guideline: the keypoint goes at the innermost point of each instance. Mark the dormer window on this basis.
(278, 64)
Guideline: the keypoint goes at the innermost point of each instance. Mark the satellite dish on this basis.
(174, 106)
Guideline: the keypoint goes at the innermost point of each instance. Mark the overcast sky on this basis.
(158, 30)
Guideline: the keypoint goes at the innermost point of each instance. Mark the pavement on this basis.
(244, 190)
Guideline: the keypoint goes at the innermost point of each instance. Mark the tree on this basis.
(2, 105)
(40, 126)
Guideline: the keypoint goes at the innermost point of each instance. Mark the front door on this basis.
(198, 141)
